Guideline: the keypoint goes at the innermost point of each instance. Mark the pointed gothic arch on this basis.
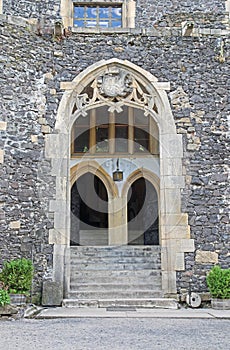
(141, 89)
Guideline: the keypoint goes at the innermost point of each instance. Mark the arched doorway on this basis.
(117, 83)
(89, 211)
(142, 211)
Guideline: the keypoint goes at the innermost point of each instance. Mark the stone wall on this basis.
(26, 182)
(32, 68)
(30, 8)
(170, 13)
(148, 12)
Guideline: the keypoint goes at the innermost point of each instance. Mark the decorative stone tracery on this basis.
(115, 89)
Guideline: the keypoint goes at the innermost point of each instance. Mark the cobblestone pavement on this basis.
(115, 334)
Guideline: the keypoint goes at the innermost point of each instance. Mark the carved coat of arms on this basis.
(115, 84)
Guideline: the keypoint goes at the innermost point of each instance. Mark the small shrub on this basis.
(17, 275)
(218, 281)
(4, 297)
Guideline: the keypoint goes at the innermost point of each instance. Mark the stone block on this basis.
(57, 236)
(173, 182)
(3, 126)
(8, 310)
(53, 92)
(58, 206)
(67, 85)
(179, 262)
(172, 201)
(177, 232)
(171, 146)
(169, 282)
(1, 156)
(52, 293)
(174, 219)
(15, 225)
(187, 245)
(162, 86)
(61, 188)
(179, 245)
(56, 146)
(171, 166)
(59, 167)
(46, 129)
(34, 138)
(206, 257)
(193, 147)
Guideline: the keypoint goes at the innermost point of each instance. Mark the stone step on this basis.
(162, 303)
(112, 294)
(76, 287)
(146, 273)
(133, 280)
(126, 276)
(112, 259)
(114, 251)
(96, 266)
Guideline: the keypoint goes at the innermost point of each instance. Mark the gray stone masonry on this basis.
(32, 68)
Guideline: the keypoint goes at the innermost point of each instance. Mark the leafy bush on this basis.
(218, 281)
(17, 275)
(4, 297)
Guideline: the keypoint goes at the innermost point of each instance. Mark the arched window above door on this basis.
(103, 132)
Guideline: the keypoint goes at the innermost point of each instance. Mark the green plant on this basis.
(17, 275)
(4, 297)
(218, 281)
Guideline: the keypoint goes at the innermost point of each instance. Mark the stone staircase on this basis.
(116, 276)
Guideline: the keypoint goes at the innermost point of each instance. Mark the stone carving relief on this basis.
(118, 84)
(116, 88)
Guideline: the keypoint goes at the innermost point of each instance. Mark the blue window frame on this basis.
(101, 16)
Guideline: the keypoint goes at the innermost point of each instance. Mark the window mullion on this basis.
(112, 133)
(92, 133)
(153, 142)
(130, 131)
(73, 139)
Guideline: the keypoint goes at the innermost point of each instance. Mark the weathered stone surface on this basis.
(52, 293)
(206, 257)
(15, 225)
(31, 80)
(3, 125)
(8, 310)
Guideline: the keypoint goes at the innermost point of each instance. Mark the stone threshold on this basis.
(73, 312)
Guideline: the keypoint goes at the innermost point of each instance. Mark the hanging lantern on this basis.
(118, 174)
